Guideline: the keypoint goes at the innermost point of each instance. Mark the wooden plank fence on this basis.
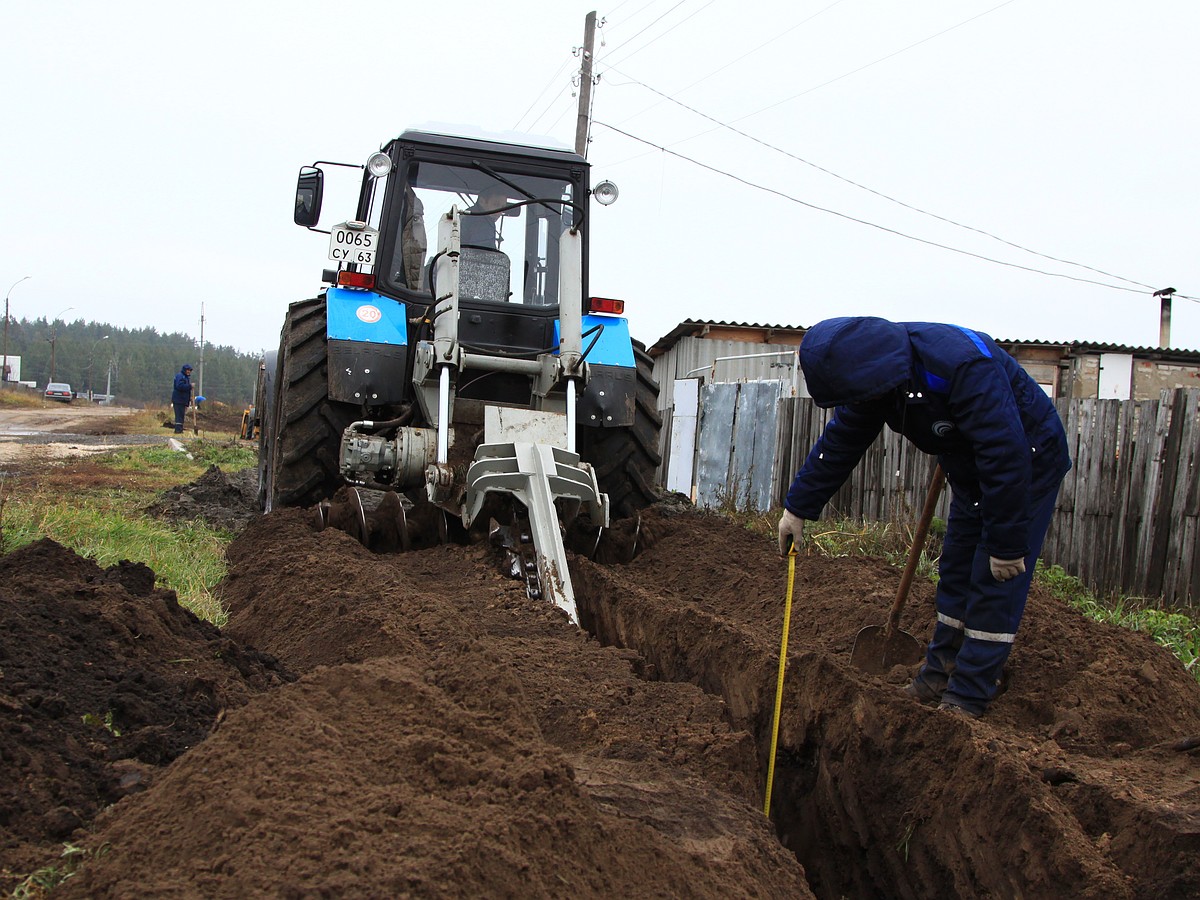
(889, 485)
(1128, 515)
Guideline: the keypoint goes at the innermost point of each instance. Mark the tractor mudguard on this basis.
(368, 347)
(608, 399)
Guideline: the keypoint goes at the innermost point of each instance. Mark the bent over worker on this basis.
(954, 393)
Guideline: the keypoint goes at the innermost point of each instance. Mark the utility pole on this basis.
(200, 376)
(54, 338)
(585, 85)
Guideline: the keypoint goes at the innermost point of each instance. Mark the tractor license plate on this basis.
(353, 245)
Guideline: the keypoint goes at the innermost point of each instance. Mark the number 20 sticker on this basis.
(369, 314)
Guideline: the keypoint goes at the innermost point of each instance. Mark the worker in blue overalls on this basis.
(181, 395)
(954, 393)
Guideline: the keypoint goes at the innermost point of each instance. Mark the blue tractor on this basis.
(456, 358)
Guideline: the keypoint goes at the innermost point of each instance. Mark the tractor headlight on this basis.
(379, 164)
(605, 193)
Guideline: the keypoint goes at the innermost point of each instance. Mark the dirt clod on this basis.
(223, 501)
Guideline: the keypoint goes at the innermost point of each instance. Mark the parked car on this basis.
(56, 390)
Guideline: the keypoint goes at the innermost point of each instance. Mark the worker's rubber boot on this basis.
(926, 690)
(955, 709)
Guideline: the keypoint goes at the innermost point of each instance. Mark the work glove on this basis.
(1004, 569)
(791, 532)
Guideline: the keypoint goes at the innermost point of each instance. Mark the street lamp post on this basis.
(54, 338)
(4, 367)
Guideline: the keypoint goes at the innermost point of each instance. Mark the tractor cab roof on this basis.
(491, 145)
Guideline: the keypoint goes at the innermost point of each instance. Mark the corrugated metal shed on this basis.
(792, 334)
(714, 361)
(745, 331)
(714, 352)
(725, 352)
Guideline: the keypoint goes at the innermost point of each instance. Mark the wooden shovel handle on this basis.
(918, 544)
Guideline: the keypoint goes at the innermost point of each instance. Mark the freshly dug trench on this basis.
(449, 737)
(1067, 788)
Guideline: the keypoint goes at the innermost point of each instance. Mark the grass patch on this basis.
(94, 506)
(190, 559)
(148, 420)
(20, 399)
(161, 462)
(1173, 630)
(846, 538)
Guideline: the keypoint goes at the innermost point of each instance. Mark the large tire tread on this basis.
(309, 426)
(626, 459)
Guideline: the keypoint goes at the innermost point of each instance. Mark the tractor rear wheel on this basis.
(303, 440)
(626, 459)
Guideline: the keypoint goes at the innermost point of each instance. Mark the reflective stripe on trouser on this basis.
(978, 616)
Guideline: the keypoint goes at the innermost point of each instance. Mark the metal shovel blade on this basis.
(879, 647)
(875, 651)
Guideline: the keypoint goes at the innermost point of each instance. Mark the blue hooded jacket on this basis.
(952, 392)
(181, 391)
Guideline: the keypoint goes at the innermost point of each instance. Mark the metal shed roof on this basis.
(696, 327)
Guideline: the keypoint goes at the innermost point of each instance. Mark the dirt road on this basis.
(60, 429)
(58, 418)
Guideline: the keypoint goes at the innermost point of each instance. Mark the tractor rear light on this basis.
(356, 280)
(606, 305)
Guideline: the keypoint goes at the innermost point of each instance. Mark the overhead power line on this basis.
(884, 228)
(550, 106)
(647, 28)
(549, 84)
(878, 61)
(880, 194)
(780, 36)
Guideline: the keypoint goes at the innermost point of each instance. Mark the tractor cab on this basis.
(456, 318)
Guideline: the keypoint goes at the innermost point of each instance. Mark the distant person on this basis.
(181, 395)
(954, 393)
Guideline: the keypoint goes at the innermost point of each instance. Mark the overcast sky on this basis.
(150, 150)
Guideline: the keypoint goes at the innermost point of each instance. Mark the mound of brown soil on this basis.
(103, 680)
(223, 501)
(451, 737)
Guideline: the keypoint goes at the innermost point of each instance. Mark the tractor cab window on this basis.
(510, 226)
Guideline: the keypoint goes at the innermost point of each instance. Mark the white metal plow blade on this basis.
(537, 475)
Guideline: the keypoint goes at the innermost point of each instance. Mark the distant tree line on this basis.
(139, 363)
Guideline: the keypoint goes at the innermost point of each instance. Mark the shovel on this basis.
(879, 647)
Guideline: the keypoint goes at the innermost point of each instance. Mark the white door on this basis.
(1116, 376)
(681, 456)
